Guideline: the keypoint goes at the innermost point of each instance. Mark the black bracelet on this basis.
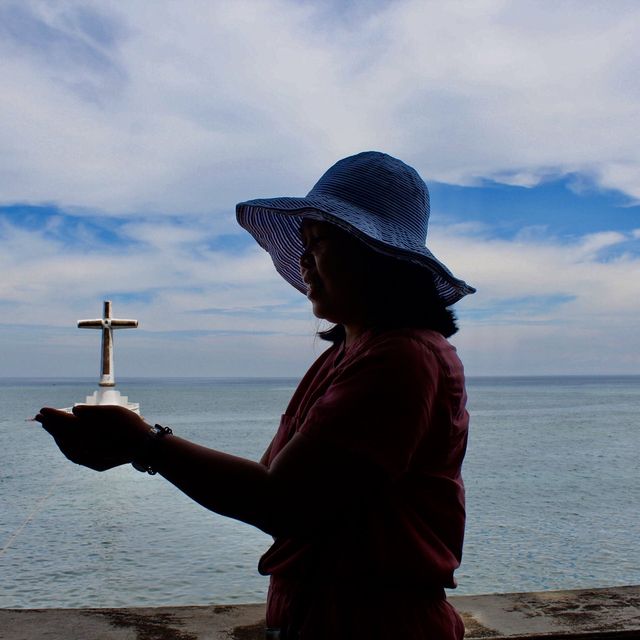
(142, 461)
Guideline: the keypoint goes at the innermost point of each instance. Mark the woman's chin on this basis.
(317, 311)
(321, 311)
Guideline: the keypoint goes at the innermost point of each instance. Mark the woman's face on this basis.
(334, 268)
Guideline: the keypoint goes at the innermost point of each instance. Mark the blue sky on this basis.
(130, 132)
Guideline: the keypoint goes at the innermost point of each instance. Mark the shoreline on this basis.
(580, 614)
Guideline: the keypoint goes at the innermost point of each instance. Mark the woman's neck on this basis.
(353, 332)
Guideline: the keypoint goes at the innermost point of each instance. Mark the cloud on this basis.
(140, 126)
(544, 304)
(546, 266)
(547, 305)
(72, 45)
(171, 265)
(165, 108)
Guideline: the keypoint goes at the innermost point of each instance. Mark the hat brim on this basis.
(275, 225)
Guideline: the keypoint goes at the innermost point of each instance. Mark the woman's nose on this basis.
(306, 259)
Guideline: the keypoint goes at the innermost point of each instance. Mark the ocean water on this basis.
(552, 476)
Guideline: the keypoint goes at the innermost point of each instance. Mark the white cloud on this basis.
(595, 242)
(186, 108)
(543, 305)
(504, 270)
(189, 107)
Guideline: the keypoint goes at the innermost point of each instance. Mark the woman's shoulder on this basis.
(416, 349)
(406, 340)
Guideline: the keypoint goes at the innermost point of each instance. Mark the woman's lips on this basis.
(313, 286)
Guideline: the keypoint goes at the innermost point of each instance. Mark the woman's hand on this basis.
(98, 437)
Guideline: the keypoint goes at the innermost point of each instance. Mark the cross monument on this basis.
(107, 394)
(107, 324)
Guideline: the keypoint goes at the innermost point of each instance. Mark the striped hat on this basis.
(376, 198)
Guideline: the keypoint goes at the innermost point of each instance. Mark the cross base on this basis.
(111, 396)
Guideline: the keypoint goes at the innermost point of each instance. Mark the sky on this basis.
(129, 131)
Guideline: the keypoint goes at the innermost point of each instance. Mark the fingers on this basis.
(49, 412)
(54, 420)
(86, 410)
(96, 436)
(96, 412)
(80, 435)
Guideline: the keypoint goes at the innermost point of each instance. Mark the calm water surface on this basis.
(552, 479)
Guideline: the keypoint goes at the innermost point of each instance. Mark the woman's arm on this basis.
(308, 484)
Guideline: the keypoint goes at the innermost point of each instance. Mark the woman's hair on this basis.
(404, 296)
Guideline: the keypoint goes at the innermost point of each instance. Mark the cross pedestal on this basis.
(107, 394)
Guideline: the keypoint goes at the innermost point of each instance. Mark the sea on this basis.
(552, 475)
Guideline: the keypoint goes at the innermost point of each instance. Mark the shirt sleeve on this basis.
(380, 404)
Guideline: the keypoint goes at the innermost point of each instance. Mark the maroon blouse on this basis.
(397, 399)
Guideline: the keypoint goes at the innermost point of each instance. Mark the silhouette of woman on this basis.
(361, 485)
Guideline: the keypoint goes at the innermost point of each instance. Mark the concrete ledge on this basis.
(553, 615)
(577, 614)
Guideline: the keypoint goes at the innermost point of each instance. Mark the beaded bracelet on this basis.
(141, 463)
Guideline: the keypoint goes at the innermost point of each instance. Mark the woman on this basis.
(361, 485)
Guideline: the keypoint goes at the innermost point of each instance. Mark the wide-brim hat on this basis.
(376, 198)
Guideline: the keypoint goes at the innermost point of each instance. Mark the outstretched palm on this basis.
(98, 437)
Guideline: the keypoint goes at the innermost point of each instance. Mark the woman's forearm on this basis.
(307, 485)
(227, 484)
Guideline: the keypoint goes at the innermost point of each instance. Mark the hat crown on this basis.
(384, 187)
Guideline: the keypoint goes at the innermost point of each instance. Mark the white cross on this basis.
(107, 324)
